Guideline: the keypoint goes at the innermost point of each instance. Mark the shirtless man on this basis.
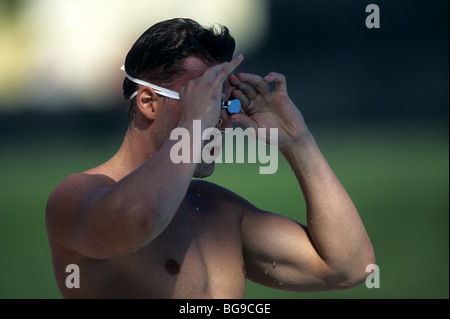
(139, 226)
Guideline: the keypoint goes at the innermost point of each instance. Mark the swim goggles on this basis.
(232, 106)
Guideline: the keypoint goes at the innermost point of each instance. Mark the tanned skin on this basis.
(140, 226)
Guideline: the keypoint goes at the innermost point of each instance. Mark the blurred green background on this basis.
(376, 101)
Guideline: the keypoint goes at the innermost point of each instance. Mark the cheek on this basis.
(176, 111)
(172, 114)
(166, 122)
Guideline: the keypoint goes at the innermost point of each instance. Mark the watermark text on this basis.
(189, 148)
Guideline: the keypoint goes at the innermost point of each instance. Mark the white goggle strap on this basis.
(233, 106)
(159, 90)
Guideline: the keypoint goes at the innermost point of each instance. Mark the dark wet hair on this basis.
(159, 53)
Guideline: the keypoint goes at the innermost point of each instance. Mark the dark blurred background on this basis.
(376, 100)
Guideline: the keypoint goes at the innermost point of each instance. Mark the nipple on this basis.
(172, 267)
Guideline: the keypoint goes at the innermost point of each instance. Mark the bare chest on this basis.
(199, 255)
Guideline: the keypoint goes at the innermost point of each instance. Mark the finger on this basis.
(225, 69)
(245, 88)
(245, 100)
(211, 73)
(248, 90)
(234, 80)
(279, 79)
(256, 81)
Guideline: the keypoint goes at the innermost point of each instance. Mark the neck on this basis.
(136, 149)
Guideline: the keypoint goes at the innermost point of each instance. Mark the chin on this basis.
(204, 170)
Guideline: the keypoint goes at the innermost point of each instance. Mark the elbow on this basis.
(360, 271)
(367, 274)
(141, 221)
(147, 221)
(353, 280)
(362, 268)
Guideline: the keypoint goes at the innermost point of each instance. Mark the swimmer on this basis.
(140, 226)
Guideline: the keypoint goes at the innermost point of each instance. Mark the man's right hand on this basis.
(201, 98)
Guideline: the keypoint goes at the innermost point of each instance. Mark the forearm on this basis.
(333, 221)
(154, 191)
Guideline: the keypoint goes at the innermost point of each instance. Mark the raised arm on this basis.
(334, 249)
(99, 218)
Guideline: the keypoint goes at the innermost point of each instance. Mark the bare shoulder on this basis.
(67, 197)
(74, 186)
(218, 194)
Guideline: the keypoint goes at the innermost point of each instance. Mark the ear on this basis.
(148, 102)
